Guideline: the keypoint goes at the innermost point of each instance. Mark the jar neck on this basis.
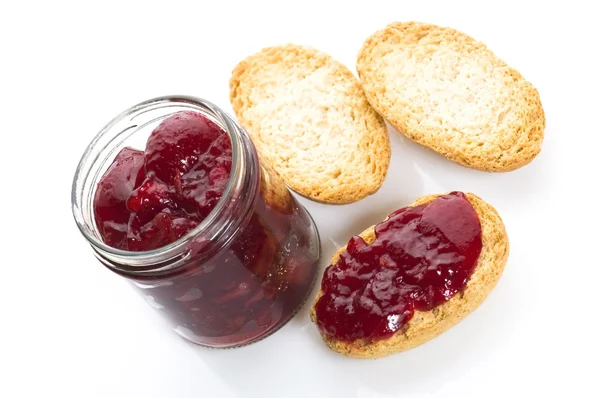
(216, 231)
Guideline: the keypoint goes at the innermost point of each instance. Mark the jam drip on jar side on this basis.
(421, 257)
(148, 199)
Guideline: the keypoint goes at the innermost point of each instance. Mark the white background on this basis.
(70, 328)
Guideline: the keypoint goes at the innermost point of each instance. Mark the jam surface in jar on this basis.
(148, 199)
(420, 258)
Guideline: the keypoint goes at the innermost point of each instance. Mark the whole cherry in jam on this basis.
(420, 258)
(116, 185)
(178, 144)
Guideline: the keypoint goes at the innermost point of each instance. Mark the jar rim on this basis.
(82, 173)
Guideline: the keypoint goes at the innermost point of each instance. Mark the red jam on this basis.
(421, 257)
(149, 199)
(146, 200)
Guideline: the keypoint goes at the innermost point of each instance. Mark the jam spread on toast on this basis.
(421, 257)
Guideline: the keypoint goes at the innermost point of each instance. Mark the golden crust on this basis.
(310, 120)
(425, 326)
(451, 94)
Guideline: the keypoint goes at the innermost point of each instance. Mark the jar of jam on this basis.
(205, 232)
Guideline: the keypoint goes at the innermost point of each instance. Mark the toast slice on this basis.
(424, 326)
(310, 120)
(451, 94)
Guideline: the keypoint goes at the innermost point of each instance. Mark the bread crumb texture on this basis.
(311, 122)
(426, 325)
(450, 93)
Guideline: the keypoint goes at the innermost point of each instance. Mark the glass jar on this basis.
(238, 276)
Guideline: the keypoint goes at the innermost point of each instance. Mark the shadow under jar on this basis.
(243, 271)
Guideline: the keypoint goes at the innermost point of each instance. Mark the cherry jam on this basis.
(246, 289)
(421, 257)
(149, 199)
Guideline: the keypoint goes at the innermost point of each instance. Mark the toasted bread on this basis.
(451, 94)
(424, 326)
(310, 120)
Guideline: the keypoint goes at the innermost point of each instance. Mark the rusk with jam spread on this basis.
(426, 325)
